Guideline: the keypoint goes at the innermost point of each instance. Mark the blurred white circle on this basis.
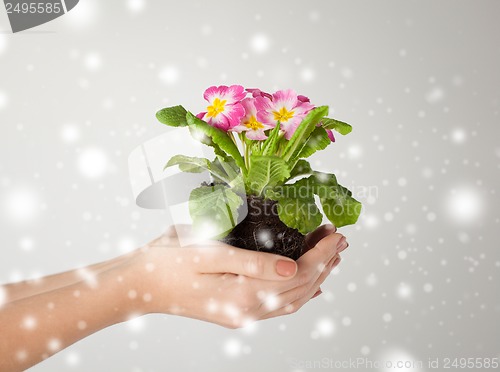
(72, 358)
(325, 327)
(260, 43)
(399, 360)
(136, 5)
(3, 43)
(3, 296)
(70, 133)
(93, 163)
(169, 75)
(26, 244)
(82, 15)
(307, 74)
(464, 205)
(428, 287)
(435, 95)
(458, 136)
(92, 61)
(22, 205)
(232, 347)
(3, 100)
(355, 151)
(404, 291)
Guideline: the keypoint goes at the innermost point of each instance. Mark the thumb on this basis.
(261, 265)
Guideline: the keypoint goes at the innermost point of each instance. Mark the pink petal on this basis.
(239, 128)
(234, 114)
(249, 106)
(303, 98)
(233, 94)
(219, 121)
(201, 115)
(258, 134)
(289, 128)
(330, 135)
(263, 104)
(303, 109)
(258, 93)
(211, 93)
(285, 98)
(266, 117)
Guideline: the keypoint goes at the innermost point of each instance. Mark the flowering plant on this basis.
(260, 141)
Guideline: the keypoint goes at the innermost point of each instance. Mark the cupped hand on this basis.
(230, 286)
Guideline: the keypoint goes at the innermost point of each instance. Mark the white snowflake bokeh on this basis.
(420, 276)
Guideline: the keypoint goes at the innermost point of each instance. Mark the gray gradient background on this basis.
(418, 80)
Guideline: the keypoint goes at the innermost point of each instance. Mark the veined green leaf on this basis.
(174, 116)
(214, 209)
(189, 163)
(266, 171)
(198, 165)
(303, 132)
(318, 140)
(301, 168)
(220, 138)
(339, 206)
(336, 125)
(270, 145)
(299, 213)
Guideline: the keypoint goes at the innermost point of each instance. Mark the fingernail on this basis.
(330, 228)
(286, 268)
(318, 292)
(346, 246)
(341, 242)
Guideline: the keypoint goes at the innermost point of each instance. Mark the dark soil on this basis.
(262, 230)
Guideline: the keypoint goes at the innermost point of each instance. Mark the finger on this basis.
(314, 237)
(323, 251)
(280, 304)
(260, 265)
(297, 304)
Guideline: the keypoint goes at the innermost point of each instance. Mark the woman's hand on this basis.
(213, 282)
(229, 286)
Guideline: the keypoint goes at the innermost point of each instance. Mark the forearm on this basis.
(27, 288)
(36, 327)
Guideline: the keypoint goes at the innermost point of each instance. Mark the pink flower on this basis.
(284, 107)
(252, 127)
(224, 110)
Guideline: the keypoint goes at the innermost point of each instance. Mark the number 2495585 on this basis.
(33, 8)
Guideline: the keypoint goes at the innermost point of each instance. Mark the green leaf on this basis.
(339, 206)
(266, 172)
(271, 143)
(189, 164)
(301, 168)
(336, 125)
(303, 132)
(220, 140)
(300, 213)
(318, 140)
(197, 165)
(214, 209)
(174, 116)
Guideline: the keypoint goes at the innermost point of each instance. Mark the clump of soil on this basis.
(262, 230)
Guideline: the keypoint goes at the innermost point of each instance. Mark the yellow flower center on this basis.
(283, 115)
(216, 108)
(253, 124)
